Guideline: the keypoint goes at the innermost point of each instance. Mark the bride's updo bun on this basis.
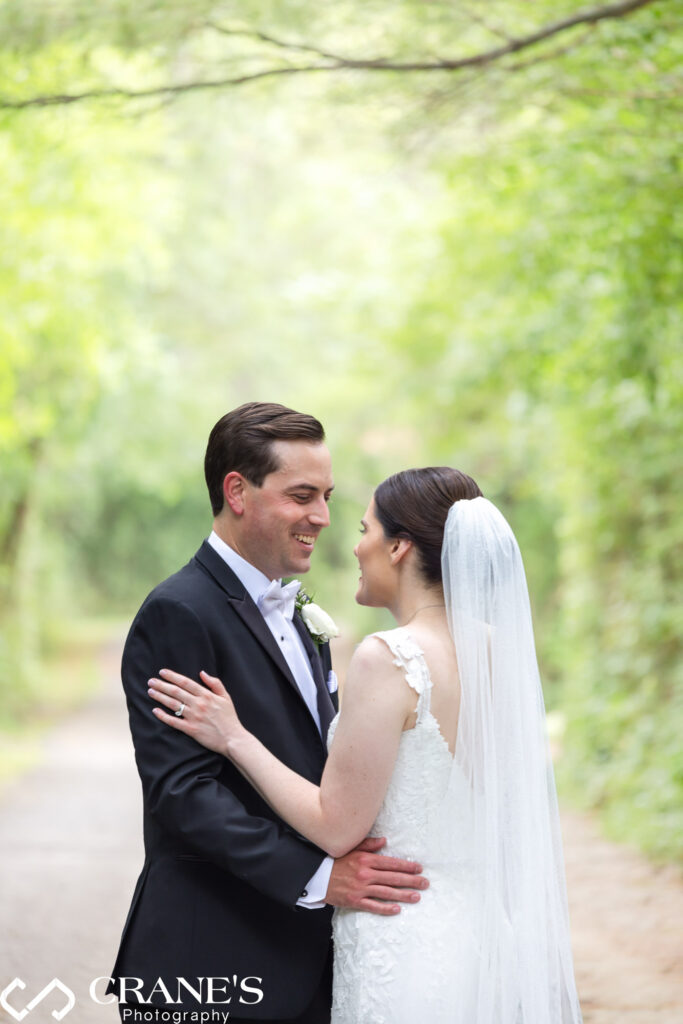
(414, 505)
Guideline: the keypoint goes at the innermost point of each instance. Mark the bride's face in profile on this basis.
(377, 577)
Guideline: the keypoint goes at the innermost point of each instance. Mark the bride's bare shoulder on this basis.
(372, 652)
(375, 658)
(374, 680)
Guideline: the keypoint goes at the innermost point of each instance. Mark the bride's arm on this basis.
(338, 814)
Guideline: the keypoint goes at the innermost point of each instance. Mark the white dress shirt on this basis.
(290, 643)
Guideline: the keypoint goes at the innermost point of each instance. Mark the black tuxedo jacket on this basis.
(222, 874)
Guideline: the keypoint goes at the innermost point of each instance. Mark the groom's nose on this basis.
(319, 513)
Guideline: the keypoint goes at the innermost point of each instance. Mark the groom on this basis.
(232, 910)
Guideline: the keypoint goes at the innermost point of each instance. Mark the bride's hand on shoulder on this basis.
(206, 713)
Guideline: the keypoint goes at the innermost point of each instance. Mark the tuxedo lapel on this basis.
(240, 600)
(250, 615)
(252, 618)
(326, 708)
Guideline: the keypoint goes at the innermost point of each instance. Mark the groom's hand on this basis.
(366, 880)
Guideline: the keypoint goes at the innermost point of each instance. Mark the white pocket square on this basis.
(332, 684)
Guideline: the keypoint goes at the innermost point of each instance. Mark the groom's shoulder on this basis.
(178, 585)
(188, 585)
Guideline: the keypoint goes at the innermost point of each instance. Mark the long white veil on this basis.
(525, 970)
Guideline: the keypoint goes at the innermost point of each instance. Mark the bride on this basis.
(440, 747)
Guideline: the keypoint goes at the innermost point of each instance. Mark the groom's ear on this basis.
(233, 492)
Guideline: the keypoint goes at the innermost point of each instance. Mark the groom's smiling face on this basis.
(280, 521)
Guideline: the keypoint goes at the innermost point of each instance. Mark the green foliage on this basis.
(481, 271)
(568, 312)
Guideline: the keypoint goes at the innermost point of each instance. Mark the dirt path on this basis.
(627, 930)
(70, 851)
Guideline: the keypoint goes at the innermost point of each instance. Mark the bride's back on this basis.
(434, 639)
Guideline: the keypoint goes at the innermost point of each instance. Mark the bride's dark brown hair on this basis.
(414, 505)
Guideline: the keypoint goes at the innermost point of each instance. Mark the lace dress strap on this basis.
(409, 656)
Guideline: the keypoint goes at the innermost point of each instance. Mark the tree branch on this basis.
(558, 51)
(63, 99)
(281, 44)
(335, 62)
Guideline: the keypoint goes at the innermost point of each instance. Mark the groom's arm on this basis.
(180, 778)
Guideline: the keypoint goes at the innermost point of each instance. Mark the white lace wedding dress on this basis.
(421, 964)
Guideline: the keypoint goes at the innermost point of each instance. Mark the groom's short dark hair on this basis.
(241, 442)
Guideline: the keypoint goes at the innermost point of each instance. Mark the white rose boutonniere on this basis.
(320, 625)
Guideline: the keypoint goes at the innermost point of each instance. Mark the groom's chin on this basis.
(298, 566)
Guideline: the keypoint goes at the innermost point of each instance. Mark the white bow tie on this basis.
(282, 598)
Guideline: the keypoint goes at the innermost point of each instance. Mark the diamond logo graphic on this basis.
(20, 1014)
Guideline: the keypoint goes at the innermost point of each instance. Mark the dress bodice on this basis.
(411, 816)
(395, 970)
